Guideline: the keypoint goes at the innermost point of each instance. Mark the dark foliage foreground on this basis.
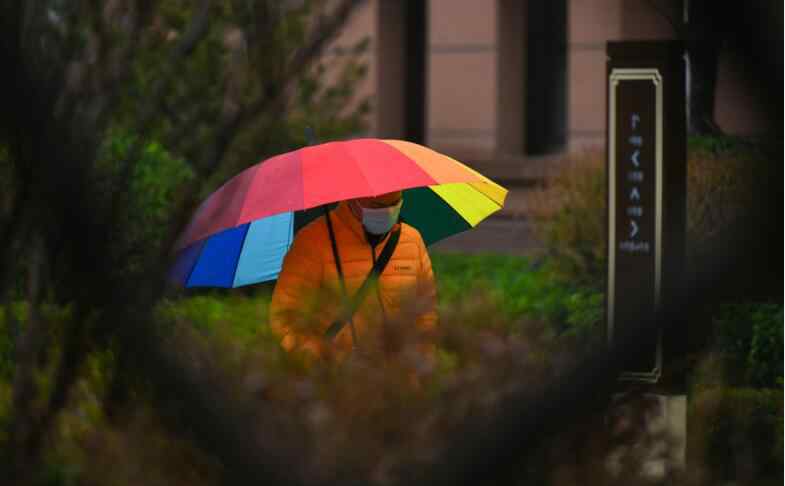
(110, 311)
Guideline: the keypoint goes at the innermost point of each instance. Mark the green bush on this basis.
(569, 216)
(154, 179)
(245, 318)
(492, 307)
(736, 398)
(54, 316)
(519, 288)
(585, 312)
(750, 341)
(514, 285)
(723, 177)
(363, 414)
(13, 321)
(736, 433)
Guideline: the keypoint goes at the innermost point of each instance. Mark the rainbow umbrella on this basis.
(241, 233)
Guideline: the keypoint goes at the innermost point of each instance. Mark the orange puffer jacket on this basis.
(309, 268)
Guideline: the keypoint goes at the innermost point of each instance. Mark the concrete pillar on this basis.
(511, 103)
(658, 445)
(390, 105)
(462, 78)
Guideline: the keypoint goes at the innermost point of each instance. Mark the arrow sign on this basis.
(633, 228)
(634, 158)
(635, 195)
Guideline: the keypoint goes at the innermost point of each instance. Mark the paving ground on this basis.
(509, 231)
(511, 236)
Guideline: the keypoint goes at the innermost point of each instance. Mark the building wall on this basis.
(735, 109)
(475, 77)
(591, 24)
(462, 74)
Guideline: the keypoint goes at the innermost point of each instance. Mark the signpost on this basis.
(646, 155)
(646, 169)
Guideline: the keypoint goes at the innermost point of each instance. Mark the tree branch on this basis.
(195, 32)
(327, 28)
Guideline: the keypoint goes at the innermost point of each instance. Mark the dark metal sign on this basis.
(645, 222)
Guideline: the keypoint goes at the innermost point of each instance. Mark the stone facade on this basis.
(473, 89)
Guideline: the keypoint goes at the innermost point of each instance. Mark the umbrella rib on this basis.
(360, 169)
(239, 254)
(291, 231)
(491, 183)
(239, 219)
(196, 262)
(487, 196)
(499, 206)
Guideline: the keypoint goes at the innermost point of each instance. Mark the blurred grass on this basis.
(242, 315)
(503, 317)
(515, 286)
(737, 433)
(520, 288)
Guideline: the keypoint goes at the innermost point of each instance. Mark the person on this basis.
(406, 287)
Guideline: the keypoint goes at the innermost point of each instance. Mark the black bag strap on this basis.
(357, 298)
(337, 258)
(334, 244)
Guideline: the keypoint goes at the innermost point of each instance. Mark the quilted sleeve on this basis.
(298, 282)
(426, 291)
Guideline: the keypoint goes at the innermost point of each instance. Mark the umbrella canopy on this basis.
(241, 233)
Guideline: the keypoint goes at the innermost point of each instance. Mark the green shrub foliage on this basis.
(502, 318)
(569, 215)
(736, 434)
(570, 212)
(750, 339)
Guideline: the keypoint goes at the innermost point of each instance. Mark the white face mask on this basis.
(379, 220)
